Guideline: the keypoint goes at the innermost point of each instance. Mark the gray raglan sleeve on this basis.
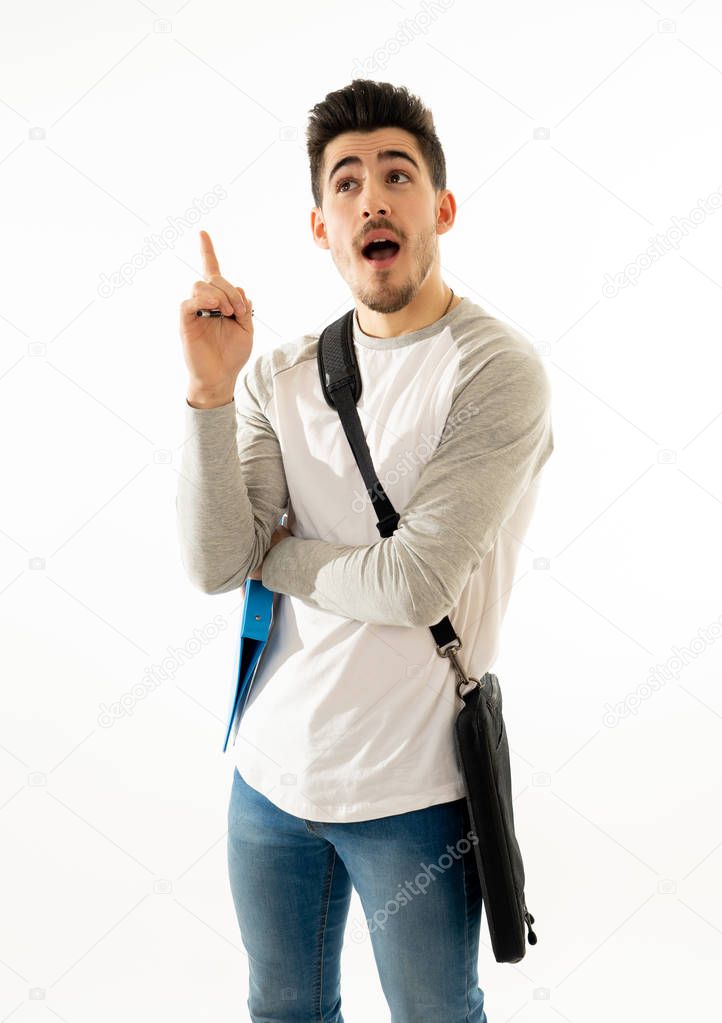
(497, 437)
(232, 486)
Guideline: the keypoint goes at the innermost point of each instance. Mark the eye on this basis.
(391, 174)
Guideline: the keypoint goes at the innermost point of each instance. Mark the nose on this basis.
(372, 206)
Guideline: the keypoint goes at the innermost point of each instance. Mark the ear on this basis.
(446, 212)
(318, 228)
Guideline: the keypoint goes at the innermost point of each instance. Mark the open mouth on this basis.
(380, 254)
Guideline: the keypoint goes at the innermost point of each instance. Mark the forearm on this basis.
(214, 514)
(375, 583)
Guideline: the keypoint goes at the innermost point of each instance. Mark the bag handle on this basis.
(341, 384)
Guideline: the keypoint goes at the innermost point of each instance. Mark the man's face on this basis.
(389, 194)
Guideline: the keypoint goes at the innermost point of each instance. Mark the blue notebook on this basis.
(256, 619)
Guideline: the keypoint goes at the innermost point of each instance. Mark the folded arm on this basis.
(497, 437)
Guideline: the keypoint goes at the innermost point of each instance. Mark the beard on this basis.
(379, 292)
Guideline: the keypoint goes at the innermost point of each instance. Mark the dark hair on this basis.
(366, 105)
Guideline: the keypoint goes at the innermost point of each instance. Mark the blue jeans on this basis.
(415, 873)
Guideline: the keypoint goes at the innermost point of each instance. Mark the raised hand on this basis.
(215, 349)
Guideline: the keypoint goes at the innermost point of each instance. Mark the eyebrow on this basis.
(384, 154)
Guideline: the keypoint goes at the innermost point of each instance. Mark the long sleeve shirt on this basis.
(351, 712)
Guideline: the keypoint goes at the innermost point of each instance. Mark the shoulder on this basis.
(496, 357)
(261, 371)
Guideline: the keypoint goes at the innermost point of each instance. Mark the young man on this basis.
(345, 767)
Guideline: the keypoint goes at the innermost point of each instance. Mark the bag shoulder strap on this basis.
(341, 384)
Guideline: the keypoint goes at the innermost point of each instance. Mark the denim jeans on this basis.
(415, 874)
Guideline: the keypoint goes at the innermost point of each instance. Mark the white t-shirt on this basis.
(352, 710)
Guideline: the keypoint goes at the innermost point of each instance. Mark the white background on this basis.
(574, 133)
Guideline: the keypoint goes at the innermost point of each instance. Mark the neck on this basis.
(430, 303)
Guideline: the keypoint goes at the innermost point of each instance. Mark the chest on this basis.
(404, 404)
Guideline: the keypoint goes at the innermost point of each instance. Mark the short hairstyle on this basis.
(366, 105)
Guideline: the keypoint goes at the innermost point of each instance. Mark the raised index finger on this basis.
(210, 262)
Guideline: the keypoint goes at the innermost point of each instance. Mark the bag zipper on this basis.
(529, 920)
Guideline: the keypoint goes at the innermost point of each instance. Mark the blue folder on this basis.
(256, 619)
